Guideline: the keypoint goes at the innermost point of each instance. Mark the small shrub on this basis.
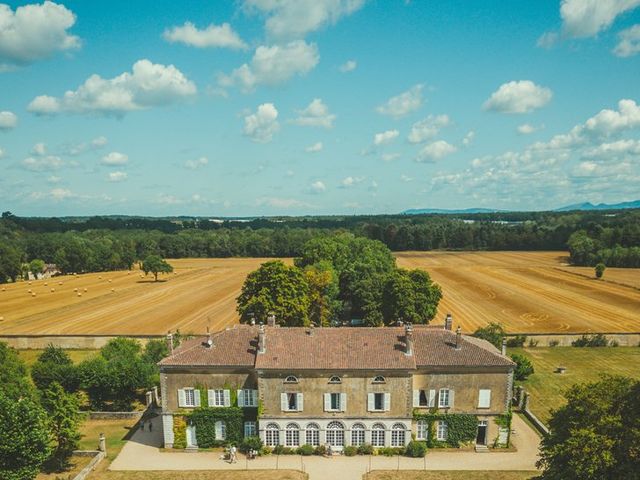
(306, 450)
(350, 451)
(416, 449)
(554, 343)
(387, 451)
(524, 367)
(517, 341)
(597, 340)
(533, 343)
(599, 270)
(250, 443)
(320, 450)
(282, 450)
(266, 450)
(365, 449)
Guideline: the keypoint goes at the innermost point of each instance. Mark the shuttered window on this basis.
(484, 398)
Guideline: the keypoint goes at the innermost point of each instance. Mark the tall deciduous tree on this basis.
(410, 296)
(278, 288)
(10, 262)
(54, 365)
(64, 421)
(492, 333)
(154, 264)
(596, 435)
(324, 306)
(14, 380)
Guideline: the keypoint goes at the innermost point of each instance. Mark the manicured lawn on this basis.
(202, 475)
(115, 432)
(583, 365)
(77, 464)
(450, 475)
(30, 356)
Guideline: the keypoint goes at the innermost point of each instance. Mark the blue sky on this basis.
(269, 107)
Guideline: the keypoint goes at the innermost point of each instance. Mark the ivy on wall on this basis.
(461, 428)
(205, 418)
(503, 421)
(179, 432)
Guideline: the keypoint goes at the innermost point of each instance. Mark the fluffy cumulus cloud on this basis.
(348, 66)
(43, 163)
(614, 151)
(196, 164)
(585, 18)
(283, 203)
(518, 97)
(317, 187)
(2, 154)
(117, 176)
(147, 85)
(95, 144)
(628, 42)
(315, 148)
(8, 120)
(527, 128)
(608, 122)
(435, 151)
(221, 36)
(273, 65)
(115, 158)
(39, 149)
(428, 128)
(316, 114)
(349, 182)
(468, 138)
(403, 104)
(263, 124)
(34, 32)
(296, 18)
(384, 138)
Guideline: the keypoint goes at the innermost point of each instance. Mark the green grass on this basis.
(30, 356)
(115, 432)
(450, 475)
(583, 365)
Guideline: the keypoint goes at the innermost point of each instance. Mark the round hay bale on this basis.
(113, 290)
(79, 294)
(85, 289)
(29, 283)
(100, 277)
(3, 289)
(45, 284)
(1, 319)
(29, 291)
(53, 289)
(75, 289)
(109, 280)
(33, 294)
(59, 283)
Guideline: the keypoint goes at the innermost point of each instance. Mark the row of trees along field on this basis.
(338, 278)
(100, 244)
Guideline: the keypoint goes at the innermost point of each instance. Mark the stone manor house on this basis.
(338, 386)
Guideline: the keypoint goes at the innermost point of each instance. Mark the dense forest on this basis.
(107, 243)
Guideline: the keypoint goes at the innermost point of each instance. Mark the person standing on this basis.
(233, 454)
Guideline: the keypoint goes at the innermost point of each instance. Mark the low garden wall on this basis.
(97, 455)
(565, 339)
(84, 342)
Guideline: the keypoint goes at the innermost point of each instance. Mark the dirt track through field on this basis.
(201, 291)
(530, 292)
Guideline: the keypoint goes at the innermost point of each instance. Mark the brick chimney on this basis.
(408, 336)
(504, 346)
(170, 342)
(448, 322)
(209, 342)
(261, 339)
(458, 339)
(271, 319)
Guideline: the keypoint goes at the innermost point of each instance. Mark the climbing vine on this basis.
(503, 421)
(205, 418)
(461, 428)
(179, 432)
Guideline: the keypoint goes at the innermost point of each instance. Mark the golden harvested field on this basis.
(200, 289)
(530, 292)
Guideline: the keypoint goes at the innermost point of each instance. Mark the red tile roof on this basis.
(343, 348)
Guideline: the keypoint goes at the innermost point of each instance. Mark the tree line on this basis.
(613, 247)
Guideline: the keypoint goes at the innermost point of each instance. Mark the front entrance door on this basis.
(191, 436)
(481, 439)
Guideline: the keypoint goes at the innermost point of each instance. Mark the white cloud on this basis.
(213, 36)
(94, 144)
(273, 65)
(468, 138)
(316, 114)
(1, 153)
(548, 40)
(317, 187)
(39, 149)
(518, 97)
(166, 199)
(196, 164)
(54, 179)
(277, 202)
(402, 104)
(148, 85)
(527, 128)
(388, 157)
(600, 171)
(34, 32)
(8, 120)
(384, 138)
(61, 194)
(348, 66)
(428, 128)
(349, 182)
(405, 178)
(117, 176)
(435, 151)
(614, 150)
(115, 158)
(44, 163)
(296, 18)
(585, 18)
(315, 148)
(629, 42)
(262, 125)
(608, 122)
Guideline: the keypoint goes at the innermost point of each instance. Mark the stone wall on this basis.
(565, 339)
(84, 342)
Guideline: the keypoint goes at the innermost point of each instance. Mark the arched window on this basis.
(292, 435)
(272, 435)
(291, 379)
(313, 434)
(335, 379)
(357, 434)
(397, 435)
(377, 435)
(421, 430)
(220, 430)
(379, 379)
(335, 434)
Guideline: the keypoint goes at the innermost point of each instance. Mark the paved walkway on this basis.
(142, 453)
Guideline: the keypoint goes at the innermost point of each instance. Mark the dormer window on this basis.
(335, 379)
(379, 379)
(291, 379)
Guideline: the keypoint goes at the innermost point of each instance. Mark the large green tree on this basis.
(410, 296)
(278, 288)
(492, 332)
(10, 262)
(155, 264)
(14, 379)
(324, 306)
(64, 422)
(54, 365)
(596, 435)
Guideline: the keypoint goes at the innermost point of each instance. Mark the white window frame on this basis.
(484, 398)
(335, 436)
(334, 398)
(218, 398)
(250, 429)
(378, 435)
(335, 379)
(292, 435)
(357, 434)
(272, 435)
(379, 379)
(286, 403)
(312, 434)
(442, 431)
(189, 397)
(220, 430)
(249, 398)
(444, 398)
(398, 435)
(422, 429)
(291, 379)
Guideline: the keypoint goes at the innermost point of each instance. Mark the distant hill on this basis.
(420, 211)
(600, 206)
